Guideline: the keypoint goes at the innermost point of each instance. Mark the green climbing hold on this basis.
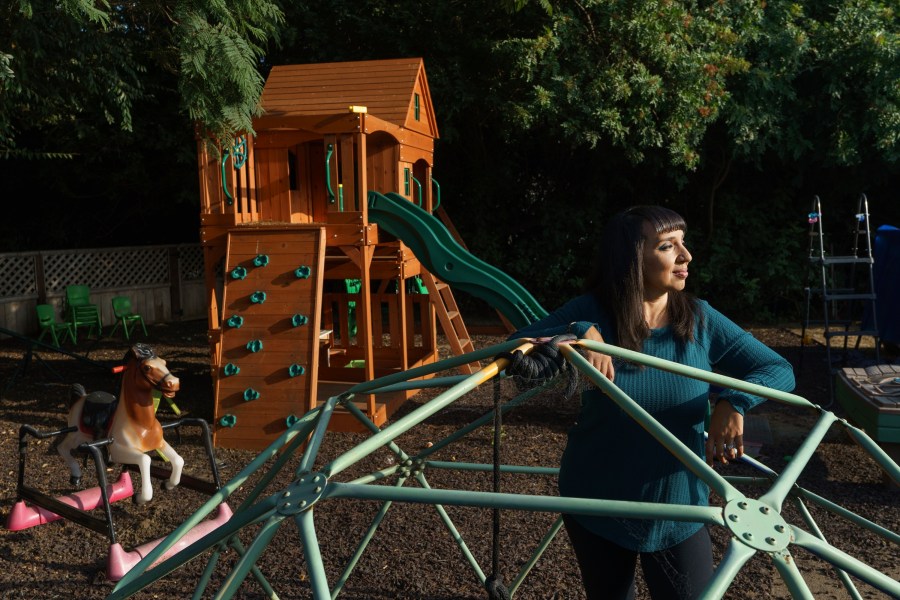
(258, 297)
(254, 345)
(228, 421)
(238, 273)
(292, 420)
(235, 321)
(298, 320)
(232, 369)
(250, 394)
(261, 260)
(302, 272)
(295, 370)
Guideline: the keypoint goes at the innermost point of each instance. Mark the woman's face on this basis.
(665, 261)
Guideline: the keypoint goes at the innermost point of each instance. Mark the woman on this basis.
(636, 300)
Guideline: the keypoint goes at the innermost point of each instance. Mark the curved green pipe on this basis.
(437, 188)
(418, 185)
(229, 199)
(238, 155)
(328, 173)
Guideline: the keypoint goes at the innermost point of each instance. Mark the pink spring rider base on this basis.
(120, 561)
(23, 516)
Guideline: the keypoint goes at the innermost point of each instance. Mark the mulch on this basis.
(412, 555)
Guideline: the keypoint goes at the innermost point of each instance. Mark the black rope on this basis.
(543, 363)
(494, 584)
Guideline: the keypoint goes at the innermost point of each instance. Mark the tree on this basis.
(552, 114)
(78, 64)
(99, 104)
(635, 75)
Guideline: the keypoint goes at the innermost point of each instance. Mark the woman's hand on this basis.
(601, 362)
(726, 434)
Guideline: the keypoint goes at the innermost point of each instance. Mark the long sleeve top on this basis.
(610, 456)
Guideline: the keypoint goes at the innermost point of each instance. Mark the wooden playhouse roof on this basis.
(387, 88)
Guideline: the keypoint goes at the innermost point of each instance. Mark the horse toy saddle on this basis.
(97, 414)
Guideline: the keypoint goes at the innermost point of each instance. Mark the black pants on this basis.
(607, 569)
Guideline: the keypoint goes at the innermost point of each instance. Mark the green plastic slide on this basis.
(451, 263)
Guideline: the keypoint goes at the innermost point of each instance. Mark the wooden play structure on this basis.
(305, 295)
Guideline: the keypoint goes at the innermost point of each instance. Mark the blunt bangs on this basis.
(662, 219)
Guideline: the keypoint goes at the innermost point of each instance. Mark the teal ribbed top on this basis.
(610, 456)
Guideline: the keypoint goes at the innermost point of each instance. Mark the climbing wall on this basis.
(267, 369)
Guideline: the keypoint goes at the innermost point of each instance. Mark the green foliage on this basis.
(639, 75)
(220, 47)
(552, 116)
(753, 266)
(859, 70)
(59, 83)
(517, 5)
(102, 58)
(824, 83)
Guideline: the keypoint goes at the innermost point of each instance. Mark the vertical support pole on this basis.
(251, 193)
(405, 323)
(428, 191)
(348, 174)
(210, 200)
(211, 255)
(364, 319)
(364, 312)
(362, 183)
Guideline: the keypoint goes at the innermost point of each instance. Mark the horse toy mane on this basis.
(139, 352)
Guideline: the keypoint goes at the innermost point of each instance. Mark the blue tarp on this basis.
(887, 283)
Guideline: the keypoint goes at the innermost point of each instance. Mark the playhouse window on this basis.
(406, 181)
(416, 100)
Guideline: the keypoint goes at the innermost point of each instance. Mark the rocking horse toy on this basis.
(127, 428)
(134, 430)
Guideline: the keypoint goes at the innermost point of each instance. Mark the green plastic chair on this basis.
(353, 286)
(81, 311)
(47, 320)
(126, 317)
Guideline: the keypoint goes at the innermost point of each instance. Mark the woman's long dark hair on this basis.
(618, 277)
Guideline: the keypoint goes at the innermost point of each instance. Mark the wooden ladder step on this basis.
(451, 320)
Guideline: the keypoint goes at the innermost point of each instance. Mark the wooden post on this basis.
(364, 319)
(348, 175)
(362, 183)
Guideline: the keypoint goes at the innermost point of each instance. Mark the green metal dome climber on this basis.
(754, 524)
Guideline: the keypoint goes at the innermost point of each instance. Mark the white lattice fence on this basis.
(106, 269)
(147, 275)
(18, 280)
(190, 263)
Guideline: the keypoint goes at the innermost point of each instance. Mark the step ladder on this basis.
(845, 285)
(451, 320)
